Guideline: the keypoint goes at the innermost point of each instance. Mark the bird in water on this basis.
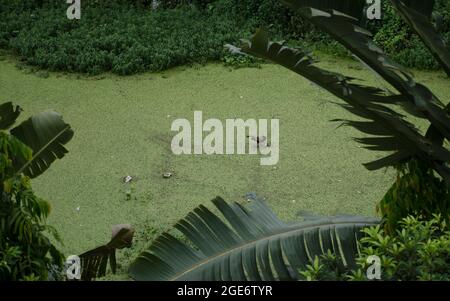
(258, 139)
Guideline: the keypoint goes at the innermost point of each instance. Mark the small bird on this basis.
(258, 139)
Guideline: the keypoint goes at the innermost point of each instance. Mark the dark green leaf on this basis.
(8, 115)
(366, 102)
(267, 249)
(417, 14)
(46, 134)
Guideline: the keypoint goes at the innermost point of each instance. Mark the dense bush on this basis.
(122, 37)
(395, 37)
(123, 41)
(402, 44)
(419, 251)
(417, 190)
(126, 36)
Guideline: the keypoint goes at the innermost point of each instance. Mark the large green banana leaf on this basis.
(417, 14)
(46, 134)
(249, 244)
(395, 134)
(416, 97)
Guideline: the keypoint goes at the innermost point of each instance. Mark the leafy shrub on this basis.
(420, 250)
(417, 191)
(125, 36)
(270, 14)
(329, 267)
(26, 151)
(402, 45)
(25, 251)
(123, 41)
(202, 4)
(236, 61)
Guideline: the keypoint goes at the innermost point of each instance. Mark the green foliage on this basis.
(37, 4)
(25, 249)
(26, 252)
(417, 191)
(125, 36)
(270, 14)
(201, 4)
(402, 44)
(390, 131)
(419, 250)
(232, 248)
(124, 41)
(236, 61)
(327, 267)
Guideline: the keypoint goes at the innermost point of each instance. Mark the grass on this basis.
(122, 127)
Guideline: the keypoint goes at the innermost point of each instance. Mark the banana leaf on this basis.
(46, 134)
(246, 244)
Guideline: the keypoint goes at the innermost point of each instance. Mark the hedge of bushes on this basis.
(403, 45)
(123, 41)
(126, 36)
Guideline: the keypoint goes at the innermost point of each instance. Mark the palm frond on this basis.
(363, 101)
(358, 40)
(417, 14)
